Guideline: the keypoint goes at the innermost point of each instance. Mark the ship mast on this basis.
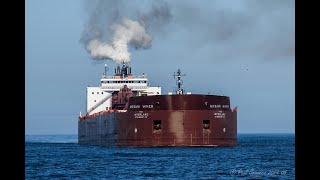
(106, 68)
(179, 81)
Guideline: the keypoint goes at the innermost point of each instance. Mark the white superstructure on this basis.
(100, 98)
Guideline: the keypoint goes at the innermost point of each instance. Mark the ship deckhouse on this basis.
(100, 98)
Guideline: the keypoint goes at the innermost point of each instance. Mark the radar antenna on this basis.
(179, 81)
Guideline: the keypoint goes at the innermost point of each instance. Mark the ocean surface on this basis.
(257, 156)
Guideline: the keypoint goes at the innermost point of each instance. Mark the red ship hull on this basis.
(164, 120)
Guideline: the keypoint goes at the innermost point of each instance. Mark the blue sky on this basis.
(242, 49)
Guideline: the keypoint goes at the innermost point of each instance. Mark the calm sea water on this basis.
(257, 156)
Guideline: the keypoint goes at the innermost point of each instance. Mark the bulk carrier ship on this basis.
(124, 111)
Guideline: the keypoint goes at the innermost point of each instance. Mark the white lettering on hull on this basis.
(147, 106)
(140, 115)
(218, 106)
(220, 114)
